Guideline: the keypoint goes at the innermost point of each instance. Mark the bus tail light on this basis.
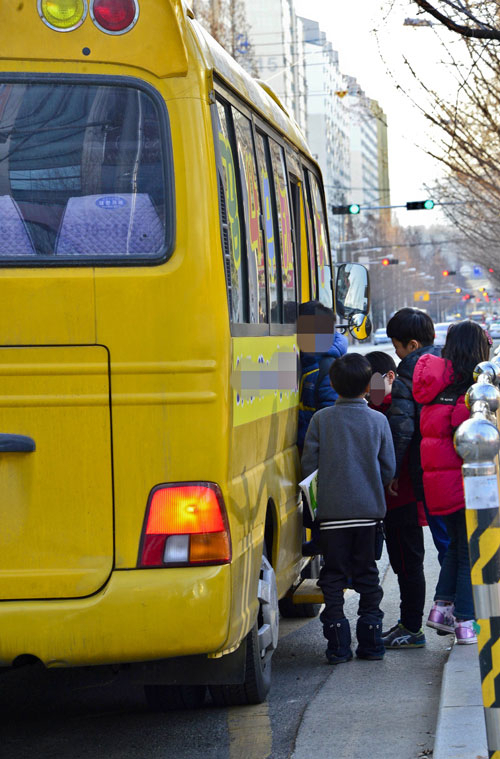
(114, 16)
(62, 15)
(185, 525)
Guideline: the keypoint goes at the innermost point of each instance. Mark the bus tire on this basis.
(288, 609)
(261, 643)
(166, 698)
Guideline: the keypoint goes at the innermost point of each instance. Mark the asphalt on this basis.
(426, 703)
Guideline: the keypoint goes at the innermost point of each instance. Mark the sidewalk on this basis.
(414, 704)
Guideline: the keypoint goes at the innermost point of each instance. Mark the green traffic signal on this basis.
(417, 205)
(353, 208)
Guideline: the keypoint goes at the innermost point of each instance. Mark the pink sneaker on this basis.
(441, 617)
(464, 632)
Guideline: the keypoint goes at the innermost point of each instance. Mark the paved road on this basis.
(60, 715)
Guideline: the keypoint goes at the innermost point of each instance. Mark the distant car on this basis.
(441, 330)
(494, 330)
(380, 336)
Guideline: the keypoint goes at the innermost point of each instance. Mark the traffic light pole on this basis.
(355, 208)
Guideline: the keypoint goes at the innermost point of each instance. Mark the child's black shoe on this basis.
(370, 644)
(334, 659)
(338, 635)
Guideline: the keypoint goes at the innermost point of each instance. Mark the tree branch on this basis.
(449, 23)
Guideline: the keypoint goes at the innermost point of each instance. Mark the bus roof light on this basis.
(63, 15)
(114, 16)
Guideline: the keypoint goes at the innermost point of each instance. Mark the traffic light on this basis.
(417, 205)
(491, 271)
(353, 208)
(389, 261)
(448, 273)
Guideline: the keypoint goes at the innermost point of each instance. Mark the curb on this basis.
(461, 731)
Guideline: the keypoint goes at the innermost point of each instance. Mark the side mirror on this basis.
(360, 326)
(352, 290)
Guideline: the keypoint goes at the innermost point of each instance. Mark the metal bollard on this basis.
(477, 441)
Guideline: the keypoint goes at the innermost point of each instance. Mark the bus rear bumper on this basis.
(139, 615)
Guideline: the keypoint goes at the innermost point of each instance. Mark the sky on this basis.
(376, 60)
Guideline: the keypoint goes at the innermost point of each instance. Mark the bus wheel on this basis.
(261, 643)
(288, 609)
(165, 698)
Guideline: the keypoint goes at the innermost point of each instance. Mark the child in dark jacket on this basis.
(440, 384)
(412, 333)
(319, 346)
(351, 446)
(404, 534)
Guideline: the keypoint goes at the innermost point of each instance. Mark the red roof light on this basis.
(114, 16)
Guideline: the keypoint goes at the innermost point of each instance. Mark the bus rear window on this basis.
(83, 174)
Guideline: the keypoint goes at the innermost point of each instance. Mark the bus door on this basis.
(72, 169)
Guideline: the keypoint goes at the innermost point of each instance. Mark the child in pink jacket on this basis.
(440, 385)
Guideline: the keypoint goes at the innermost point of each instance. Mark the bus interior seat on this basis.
(125, 224)
(14, 237)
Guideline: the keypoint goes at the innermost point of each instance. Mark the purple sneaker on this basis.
(441, 617)
(464, 632)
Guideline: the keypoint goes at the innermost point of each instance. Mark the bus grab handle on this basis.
(16, 444)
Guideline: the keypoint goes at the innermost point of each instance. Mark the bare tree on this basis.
(475, 19)
(465, 124)
(226, 21)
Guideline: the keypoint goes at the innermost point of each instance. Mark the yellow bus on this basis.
(161, 217)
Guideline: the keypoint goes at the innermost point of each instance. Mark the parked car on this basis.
(441, 330)
(380, 336)
(494, 330)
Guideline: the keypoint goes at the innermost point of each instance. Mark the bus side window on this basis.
(234, 260)
(285, 230)
(311, 250)
(270, 229)
(251, 206)
(298, 225)
(322, 250)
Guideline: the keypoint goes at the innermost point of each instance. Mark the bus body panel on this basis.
(135, 617)
(56, 509)
(60, 300)
(21, 22)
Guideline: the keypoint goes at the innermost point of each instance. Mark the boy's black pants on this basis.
(349, 554)
(405, 546)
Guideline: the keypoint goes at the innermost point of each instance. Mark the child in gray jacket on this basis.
(351, 446)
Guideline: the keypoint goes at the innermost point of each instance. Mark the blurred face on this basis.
(404, 350)
(315, 333)
(380, 386)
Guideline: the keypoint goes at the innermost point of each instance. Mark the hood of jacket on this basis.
(336, 349)
(432, 375)
(406, 366)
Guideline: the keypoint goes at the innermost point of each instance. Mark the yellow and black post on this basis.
(477, 441)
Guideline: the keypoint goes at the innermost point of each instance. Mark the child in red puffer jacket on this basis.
(440, 384)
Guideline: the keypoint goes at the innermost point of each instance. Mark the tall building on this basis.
(275, 36)
(369, 153)
(328, 116)
(347, 132)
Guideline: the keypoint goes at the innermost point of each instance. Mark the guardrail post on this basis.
(477, 441)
